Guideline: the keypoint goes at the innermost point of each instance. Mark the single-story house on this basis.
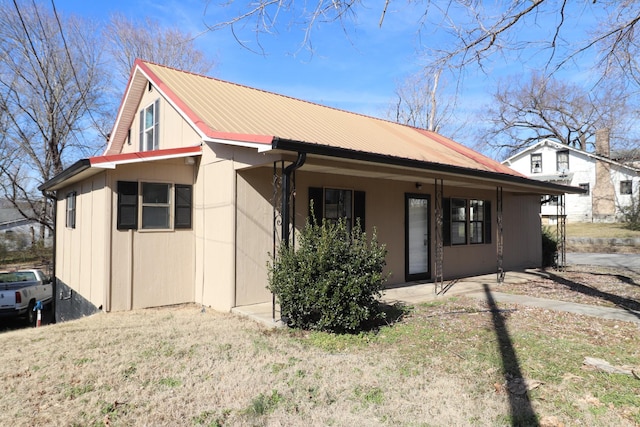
(203, 179)
(18, 232)
(609, 186)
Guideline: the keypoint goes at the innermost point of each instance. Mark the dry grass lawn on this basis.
(599, 230)
(449, 363)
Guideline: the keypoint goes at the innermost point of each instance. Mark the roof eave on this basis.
(323, 150)
(73, 170)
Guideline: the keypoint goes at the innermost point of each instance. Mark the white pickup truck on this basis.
(21, 290)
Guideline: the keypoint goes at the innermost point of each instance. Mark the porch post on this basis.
(561, 230)
(499, 237)
(278, 168)
(439, 276)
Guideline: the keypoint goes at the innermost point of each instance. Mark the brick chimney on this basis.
(603, 147)
(603, 196)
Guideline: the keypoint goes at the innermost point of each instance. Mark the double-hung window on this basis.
(154, 206)
(562, 161)
(156, 209)
(466, 221)
(70, 221)
(333, 204)
(626, 187)
(149, 127)
(536, 163)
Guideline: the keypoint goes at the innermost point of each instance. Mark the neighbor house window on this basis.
(332, 204)
(71, 210)
(626, 187)
(466, 221)
(149, 127)
(562, 161)
(157, 206)
(536, 163)
(585, 187)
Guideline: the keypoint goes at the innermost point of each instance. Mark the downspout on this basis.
(286, 189)
(54, 279)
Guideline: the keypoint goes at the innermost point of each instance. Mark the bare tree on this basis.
(148, 40)
(526, 111)
(471, 32)
(416, 102)
(50, 99)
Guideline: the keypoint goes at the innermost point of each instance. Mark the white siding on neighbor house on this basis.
(582, 170)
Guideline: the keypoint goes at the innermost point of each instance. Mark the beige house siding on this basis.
(82, 252)
(148, 258)
(254, 235)
(214, 211)
(522, 236)
(174, 131)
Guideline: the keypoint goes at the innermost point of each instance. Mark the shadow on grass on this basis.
(628, 304)
(522, 413)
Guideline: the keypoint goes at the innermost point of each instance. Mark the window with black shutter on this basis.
(332, 204)
(183, 209)
(127, 205)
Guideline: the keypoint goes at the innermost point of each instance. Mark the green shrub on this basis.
(332, 281)
(549, 247)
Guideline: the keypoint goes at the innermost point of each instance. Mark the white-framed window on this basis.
(562, 161)
(536, 163)
(626, 187)
(70, 221)
(154, 206)
(149, 127)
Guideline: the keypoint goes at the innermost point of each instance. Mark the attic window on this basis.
(626, 187)
(149, 127)
(536, 163)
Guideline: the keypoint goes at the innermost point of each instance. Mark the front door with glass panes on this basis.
(417, 237)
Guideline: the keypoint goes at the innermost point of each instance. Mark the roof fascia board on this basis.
(123, 102)
(111, 161)
(497, 177)
(525, 151)
(74, 169)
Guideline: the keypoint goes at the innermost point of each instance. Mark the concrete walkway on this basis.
(416, 293)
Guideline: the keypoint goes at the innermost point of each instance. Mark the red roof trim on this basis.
(146, 155)
(469, 153)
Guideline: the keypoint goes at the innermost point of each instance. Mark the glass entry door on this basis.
(417, 237)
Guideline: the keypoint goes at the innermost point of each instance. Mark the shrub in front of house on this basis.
(332, 280)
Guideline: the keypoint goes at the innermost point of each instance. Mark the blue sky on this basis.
(358, 71)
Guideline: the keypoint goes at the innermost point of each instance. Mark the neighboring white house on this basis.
(609, 185)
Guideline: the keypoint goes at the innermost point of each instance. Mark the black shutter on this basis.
(487, 221)
(316, 196)
(358, 208)
(183, 208)
(127, 205)
(446, 221)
